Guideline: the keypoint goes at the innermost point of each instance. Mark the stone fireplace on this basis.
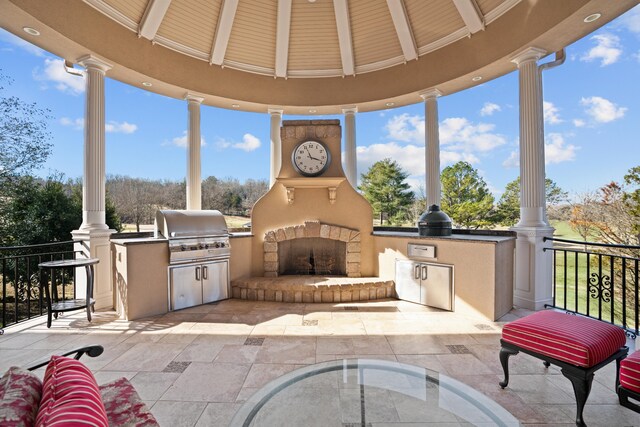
(312, 248)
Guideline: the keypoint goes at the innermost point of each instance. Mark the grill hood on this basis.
(174, 224)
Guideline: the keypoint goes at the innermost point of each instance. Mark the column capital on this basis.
(275, 110)
(193, 97)
(349, 109)
(528, 55)
(430, 93)
(93, 62)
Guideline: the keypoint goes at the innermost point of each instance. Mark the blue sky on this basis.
(592, 121)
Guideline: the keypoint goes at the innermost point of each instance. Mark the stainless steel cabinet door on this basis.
(437, 285)
(215, 281)
(186, 286)
(408, 280)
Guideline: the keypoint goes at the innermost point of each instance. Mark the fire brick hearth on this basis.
(348, 240)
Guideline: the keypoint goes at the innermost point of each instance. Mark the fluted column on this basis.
(194, 163)
(533, 275)
(276, 145)
(92, 238)
(93, 188)
(350, 153)
(432, 146)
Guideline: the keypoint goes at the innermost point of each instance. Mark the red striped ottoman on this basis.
(579, 346)
(630, 381)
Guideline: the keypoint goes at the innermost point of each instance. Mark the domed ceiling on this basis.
(305, 56)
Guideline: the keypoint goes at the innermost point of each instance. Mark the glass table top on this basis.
(368, 392)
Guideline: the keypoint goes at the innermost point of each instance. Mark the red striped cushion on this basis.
(574, 339)
(630, 372)
(70, 396)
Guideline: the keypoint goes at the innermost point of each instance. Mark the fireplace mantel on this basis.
(330, 183)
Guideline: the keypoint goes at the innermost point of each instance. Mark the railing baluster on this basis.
(16, 282)
(575, 279)
(4, 292)
(564, 291)
(588, 283)
(612, 285)
(624, 292)
(28, 260)
(637, 297)
(599, 286)
(555, 277)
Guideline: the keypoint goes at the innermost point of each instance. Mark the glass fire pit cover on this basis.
(363, 392)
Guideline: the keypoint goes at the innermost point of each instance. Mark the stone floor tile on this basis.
(208, 382)
(178, 414)
(234, 353)
(217, 414)
(538, 389)
(200, 352)
(145, 357)
(262, 373)
(152, 385)
(416, 344)
(103, 377)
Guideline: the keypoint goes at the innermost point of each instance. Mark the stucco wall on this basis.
(240, 261)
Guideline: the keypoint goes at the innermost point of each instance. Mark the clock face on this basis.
(311, 158)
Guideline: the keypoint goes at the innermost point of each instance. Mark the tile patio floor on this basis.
(195, 367)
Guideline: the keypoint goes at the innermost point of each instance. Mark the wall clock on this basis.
(311, 158)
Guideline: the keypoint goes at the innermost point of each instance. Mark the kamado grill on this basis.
(199, 253)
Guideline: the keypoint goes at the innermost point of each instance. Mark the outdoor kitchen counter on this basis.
(139, 268)
(482, 266)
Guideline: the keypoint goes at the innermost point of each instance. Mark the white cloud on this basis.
(579, 123)
(406, 128)
(77, 124)
(8, 37)
(513, 161)
(551, 113)
(607, 49)
(124, 127)
(249, 143)
(183, 141)
(557, 151)
(602, 110)
(631, 20)
(54, 72)
(489, 108)
(462, 135)
(111, 127)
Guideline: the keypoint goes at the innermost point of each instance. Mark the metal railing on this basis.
(597, 280)
(21, 294)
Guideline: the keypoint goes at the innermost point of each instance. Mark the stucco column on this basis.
(92, 238)
(533, 278)
(276, 145)
(194, 163)
(350, 153)
(432, 146)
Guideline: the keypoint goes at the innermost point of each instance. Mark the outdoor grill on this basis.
(193, 235)
(199, 253)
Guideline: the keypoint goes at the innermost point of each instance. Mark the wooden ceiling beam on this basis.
(152, 18)
(471, 15)
(343, 26)
(403, 29)
(282, 37)
(223, 31)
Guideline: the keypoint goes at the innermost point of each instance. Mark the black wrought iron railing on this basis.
(21, 294)
(597, 280)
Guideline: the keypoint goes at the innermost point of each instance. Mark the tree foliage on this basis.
(24, 138)
(385, 188)
(466, 197)
(508, 209)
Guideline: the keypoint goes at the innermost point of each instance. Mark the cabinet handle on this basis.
(205, 270)
(197, 273)
(424, 272)
(416, 272)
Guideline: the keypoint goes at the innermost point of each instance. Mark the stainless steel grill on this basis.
(193, 235)
(199, 253)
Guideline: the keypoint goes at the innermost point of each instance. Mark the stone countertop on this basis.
(488, 238)
(138, 240)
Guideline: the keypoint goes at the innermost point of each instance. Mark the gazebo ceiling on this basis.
(305, 56)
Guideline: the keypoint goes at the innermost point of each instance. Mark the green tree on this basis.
(508, 209)
(466, 197)
(632, 200)
(24, 138)
(385, 188)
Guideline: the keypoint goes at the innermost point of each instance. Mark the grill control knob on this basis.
(183, 247)
(216, 245)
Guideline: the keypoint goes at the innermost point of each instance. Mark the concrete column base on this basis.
(533, 268)
(95, 243)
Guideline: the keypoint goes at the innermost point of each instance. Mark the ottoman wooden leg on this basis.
(581, 388)
(505, 353)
